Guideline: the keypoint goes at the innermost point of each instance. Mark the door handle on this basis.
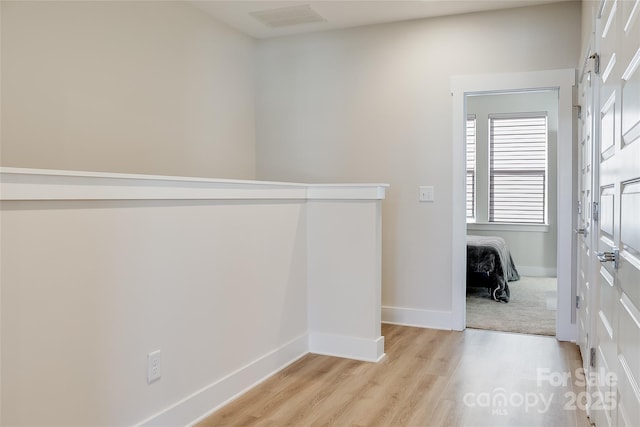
(582, 231)
(612, 256)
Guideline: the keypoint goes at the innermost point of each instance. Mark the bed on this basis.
(490, 265)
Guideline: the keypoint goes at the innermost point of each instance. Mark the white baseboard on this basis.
(417, 317)
(205, 401)
(368, 350)
(536, 271)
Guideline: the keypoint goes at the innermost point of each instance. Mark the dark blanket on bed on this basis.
(489, 265)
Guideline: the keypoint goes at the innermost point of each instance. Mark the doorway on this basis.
(561, 82)
(511, 186)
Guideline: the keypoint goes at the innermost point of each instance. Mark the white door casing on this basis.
(563, 81)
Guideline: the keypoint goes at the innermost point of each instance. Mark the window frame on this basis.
(530, 172)
(473, 193)
(484, 222)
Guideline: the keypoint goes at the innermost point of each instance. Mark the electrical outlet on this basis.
(153, 366)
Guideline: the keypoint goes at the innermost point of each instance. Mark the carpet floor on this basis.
(531, 309)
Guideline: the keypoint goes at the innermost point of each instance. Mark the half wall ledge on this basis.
(252, 274)
(49, 184)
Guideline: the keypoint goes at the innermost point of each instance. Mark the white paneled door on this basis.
(585, 297)
(616, 398)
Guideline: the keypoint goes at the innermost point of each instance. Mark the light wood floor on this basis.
(428, 378)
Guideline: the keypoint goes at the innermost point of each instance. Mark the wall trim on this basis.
(432, 319)
(207, 400)
(45, 184)
(535, 271)
(492, 226)
(346, 191)
(367, 350)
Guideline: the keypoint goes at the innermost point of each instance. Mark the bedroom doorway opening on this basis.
(465, 90)
(511, 194)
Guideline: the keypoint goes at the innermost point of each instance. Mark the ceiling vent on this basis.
(287, 16)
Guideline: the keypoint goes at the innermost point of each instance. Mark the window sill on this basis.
(494, 226)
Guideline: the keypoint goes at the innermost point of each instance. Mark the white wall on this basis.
(589, 12)
(340, 277)
(534, 252)
(90, 287)
(153, 87)
(373, 104)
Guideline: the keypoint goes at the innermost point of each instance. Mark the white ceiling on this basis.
(347, 13)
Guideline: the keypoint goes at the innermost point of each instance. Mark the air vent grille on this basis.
(287, 16)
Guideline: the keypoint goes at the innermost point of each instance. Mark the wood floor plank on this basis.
(428, 378)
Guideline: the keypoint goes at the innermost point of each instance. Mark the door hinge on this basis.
(592, 357)
(578, 301)
(579, 207)
(595, 212)
(596, 63)
(579, 109)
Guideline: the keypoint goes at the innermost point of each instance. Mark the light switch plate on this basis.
(426, 193)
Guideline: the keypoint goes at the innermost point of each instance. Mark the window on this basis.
(517, 168)
(471, 166)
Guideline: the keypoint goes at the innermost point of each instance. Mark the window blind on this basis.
(471, 166)
(518, 169)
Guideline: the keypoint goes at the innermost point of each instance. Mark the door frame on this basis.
(587, 72)
(564, 82)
